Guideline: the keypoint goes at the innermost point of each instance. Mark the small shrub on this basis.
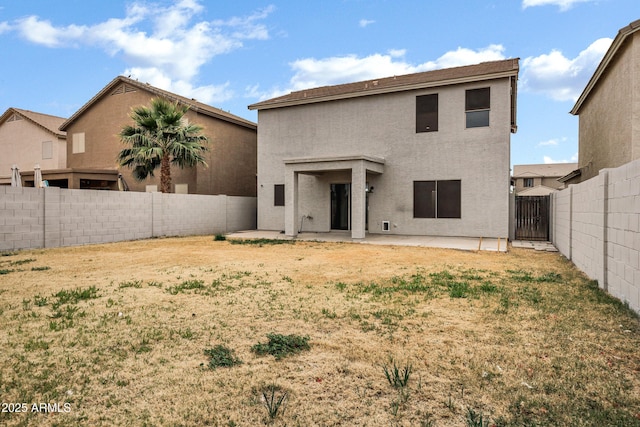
(185, 286)
(222, 357)
(219, 238)
(43, 268)
(458, 289)
(273, 398)
(281, 346)
(5, 271)
(397, 377)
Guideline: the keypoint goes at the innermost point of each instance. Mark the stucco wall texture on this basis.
(231, 157)
(384, 126)
(52, 217)
(609, 121)
(596, 224)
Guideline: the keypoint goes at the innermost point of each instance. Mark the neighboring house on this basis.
(540, 179)
(94, 143)
(609, 109)
(419, 154)
(28, 139)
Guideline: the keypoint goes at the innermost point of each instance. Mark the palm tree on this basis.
(161, 137)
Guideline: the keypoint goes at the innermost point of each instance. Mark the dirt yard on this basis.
(116, 335)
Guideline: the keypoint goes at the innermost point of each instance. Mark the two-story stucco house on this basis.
(608, 109)
(418, 154)
(93, 143)
(540, 179)
(28, 139)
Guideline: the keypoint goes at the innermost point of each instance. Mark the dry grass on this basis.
(119, 332)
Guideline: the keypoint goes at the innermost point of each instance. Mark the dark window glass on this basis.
(477, 106)
(448, 199)
(424, 199)
(476, 119)
(278, 195)
(437, 199)
(427, 113)
(528, 182)
(478, 99)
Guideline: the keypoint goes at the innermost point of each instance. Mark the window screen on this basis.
(427, 113)
(437, 199)
(448, 199)
(278, 195)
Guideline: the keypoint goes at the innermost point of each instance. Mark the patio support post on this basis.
(290, 202)
(358, 199)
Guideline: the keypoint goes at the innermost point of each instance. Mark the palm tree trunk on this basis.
(165, 174)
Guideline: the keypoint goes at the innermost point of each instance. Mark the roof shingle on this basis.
(425, 79)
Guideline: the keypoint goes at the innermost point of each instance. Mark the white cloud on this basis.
(166, 45)
(366, 22)
(562, 4)
(207, 94)
(559, 77)
(547, 143)
(549, 160)
(312, 72)
(4, 27)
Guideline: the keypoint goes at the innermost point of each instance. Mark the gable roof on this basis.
(621, 37)
(193, 104)
(427, 79)
(49, 123)
(549, 170)
(538, 190)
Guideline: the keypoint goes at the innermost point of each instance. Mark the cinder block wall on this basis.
(53, 217)
(596, 224)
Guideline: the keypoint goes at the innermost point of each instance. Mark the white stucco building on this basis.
(419, 154)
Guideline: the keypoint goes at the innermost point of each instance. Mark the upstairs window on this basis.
(278, 195)
(528, 182)
(477, 106)
(427, 113)
(437, 199)
(78, 143)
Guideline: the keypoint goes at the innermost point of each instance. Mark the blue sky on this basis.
(57, 55)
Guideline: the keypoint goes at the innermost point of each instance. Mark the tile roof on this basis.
(47, 122)
(193, 104)
(441, 77)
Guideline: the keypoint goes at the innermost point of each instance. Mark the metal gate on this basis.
(532, 217)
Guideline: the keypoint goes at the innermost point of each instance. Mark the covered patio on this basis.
(359, 166)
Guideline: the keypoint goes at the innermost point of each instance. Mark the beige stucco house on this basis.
(28, 139)
(93, 143)
(609, 109)
(540, 179)
(418, 154)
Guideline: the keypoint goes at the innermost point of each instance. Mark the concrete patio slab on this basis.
(536, 245)
(461, 243)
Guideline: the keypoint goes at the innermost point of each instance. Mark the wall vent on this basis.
(385, 226)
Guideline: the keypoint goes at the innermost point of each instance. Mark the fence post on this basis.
(605, 226)
(51, 217)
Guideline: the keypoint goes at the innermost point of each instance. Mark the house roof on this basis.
(621, 37)
(538, 190)
(427, 79)
(193, 104)
(547, 170)
(49, 123)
